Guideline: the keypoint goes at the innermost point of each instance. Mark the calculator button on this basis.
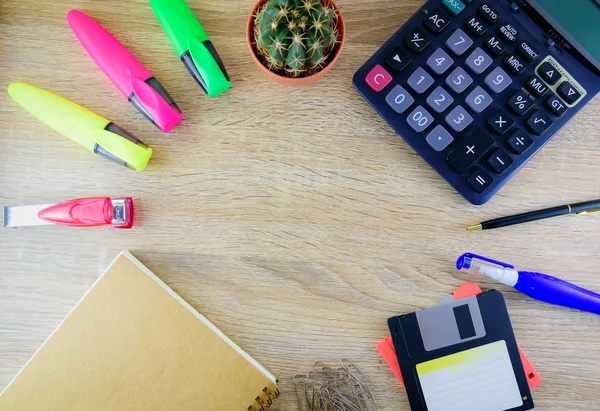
(417, 39)
(569, 93)
(439, 61)
(520, 103)
(519, 141)
(439, 138)
(495, 45)
(488, 13)
(398, 59)
(479, 180)
(498, 80)
(515, 64)
(528, 51)
(556, 106)
(500, 122)
(499, 161)
(539, 122)
(459, 42)
(468, 151)
(439, 100)
(459, 80)
(536, 87)
(549, 74)
(399, 99)
(436, 21)
(508, 32)
(455, 7)
(478, 61)
(378, 78)
(419, 119)
(476, 26)
(420, 81)
(458, 119)
(478, 100)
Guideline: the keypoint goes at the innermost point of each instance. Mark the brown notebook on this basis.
(132, 343)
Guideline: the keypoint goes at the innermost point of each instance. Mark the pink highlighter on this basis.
(132, 79)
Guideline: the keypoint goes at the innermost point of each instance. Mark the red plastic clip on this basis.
(91, 212)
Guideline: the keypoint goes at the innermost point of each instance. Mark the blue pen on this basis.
(539, 286)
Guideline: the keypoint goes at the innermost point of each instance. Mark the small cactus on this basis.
(297, 36)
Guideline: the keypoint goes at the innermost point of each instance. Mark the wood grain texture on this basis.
(295, 219)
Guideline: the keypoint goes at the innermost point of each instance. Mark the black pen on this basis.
(588, 207)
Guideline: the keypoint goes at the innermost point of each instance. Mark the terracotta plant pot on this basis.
(295, 81)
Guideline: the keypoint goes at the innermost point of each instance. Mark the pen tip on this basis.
(475, 227)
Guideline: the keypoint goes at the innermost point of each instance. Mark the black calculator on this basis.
(476, 87)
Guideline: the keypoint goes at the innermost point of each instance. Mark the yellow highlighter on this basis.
(84, 127)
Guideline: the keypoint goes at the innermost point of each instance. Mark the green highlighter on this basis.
(192, 44)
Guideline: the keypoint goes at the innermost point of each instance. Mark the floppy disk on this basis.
(387, 351)
(461, 355)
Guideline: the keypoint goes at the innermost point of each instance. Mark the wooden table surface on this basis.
(295, 219)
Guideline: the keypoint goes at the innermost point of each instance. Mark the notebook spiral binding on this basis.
(265, 403)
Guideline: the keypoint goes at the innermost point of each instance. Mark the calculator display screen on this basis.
(579, 19)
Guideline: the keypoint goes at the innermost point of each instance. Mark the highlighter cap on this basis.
(86, 128)
(192, 45)
(125, 71)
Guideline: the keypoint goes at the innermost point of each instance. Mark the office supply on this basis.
(81, 212)
(87, 129)
(387, 351)
(477, 88)
(588, 207)
(130, 77)
(334, 386)
(461, 355)
(192, 44)
(538, 286)
(132, 343)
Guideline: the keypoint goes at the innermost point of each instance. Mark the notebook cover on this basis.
(461, 354)
(387, 351)
(132, 343)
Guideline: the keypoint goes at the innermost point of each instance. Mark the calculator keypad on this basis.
(508, 33)
(495, 45)
(419, 119)
(549, 73)
(439, 100)
(539, 122)
(439, 138)
(476, 26)
(498, 80)
(417, 39)
(520, 103)
(556, 106)
(398, 59)
(469, 88)
(469, 150)
(439, 62)
(399, 99)
(500, 161)
(436, 21)
(569, 93)
(536, 86)
(459, 42)
(478, 100)
(459, 119)
(488, 13)
(478, 61)
(459, 80)
(500, 122)
(420, 81)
